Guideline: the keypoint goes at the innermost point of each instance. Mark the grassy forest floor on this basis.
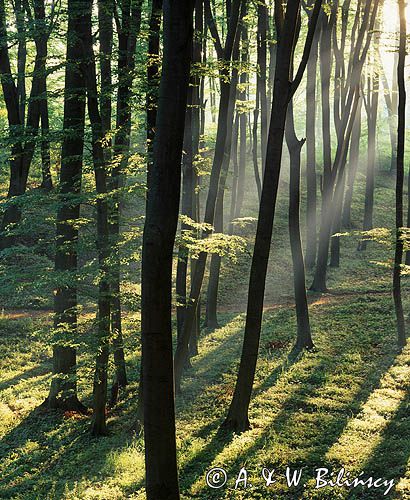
(347, 404)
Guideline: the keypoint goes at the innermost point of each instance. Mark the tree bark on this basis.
(63, 390)
(157, 254)
(304, 336)
(224, 54)
(372, 106)
(311, 184)
(354, 155)
(401, 133)
(287, 26)
(127, 40)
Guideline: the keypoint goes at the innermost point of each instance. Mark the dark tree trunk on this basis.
(99, 425)
(372, 106)
(243, 121)
(153, 72)
(127, 39)
(346, 100)
(63, 390)
(311, 185)
(105, 19)
(354, 154)
(186, 210)
(262, 75)
(234, 158)
(304, 337)
(319, 281)
(255, 146)
(157, 255)
(401, 134)
(211, 319)
(391, 99)
(237, 419)
(224, 54)
(41, 36)
(22, 135)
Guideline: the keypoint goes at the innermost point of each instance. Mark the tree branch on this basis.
(308, 45)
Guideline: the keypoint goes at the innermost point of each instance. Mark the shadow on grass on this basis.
(394, 449)
(47, 455)
(311, 417)
(36, 371)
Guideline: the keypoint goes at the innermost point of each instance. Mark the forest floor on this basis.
(346, 404)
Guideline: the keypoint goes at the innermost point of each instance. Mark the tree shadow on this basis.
(306, 423)
(394, 444)
(41, 456)
(36, 371)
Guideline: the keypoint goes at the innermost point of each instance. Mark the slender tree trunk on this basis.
(255, 146)
(63, 390)
(127, 39)
(211, 319)
(214, 184)
(319, 281)
(157, 255)
(401, 132)
(234, 158)
(354, 155)
(41, 36)
(243, 121)
(391, 99)
(186, 210)
(346, 103)
(304, 337)
(262, 74)
(153, 72)
(237, 419)
(99, 425)
(372, 111)
(311, 185)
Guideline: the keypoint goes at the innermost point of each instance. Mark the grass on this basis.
(344, 405)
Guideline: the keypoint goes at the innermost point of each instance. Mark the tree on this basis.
(63, 389)
(401, 132)
(99, 425)
(311, 184)
(157, 253)
(224, 57)
(23, 130)
(287, 28)
(347, 98)
(304, 337)
(371, 106)
(128, 28)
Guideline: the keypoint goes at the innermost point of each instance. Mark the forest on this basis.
(204, 249)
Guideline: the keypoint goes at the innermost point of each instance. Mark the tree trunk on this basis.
(401, 134)
(211, 319)
(261, 76)
(346, 100)
(354, 155)
(157, 255)
(63, 390)
(311, 185)
(127, 39)
(319, 281)
(304, 337)
(237, 419)
(214, 183)
(99, 425)
(372, 111)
